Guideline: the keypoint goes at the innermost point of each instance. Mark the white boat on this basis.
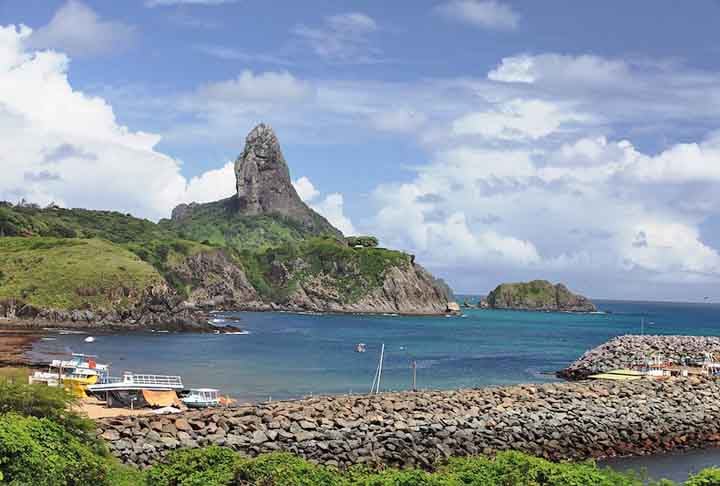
(201, 398)
(131, 381)
(89, 339)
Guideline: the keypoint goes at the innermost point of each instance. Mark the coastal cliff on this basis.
(262, 249)
(538, 295)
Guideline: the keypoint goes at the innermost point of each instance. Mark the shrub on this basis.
(212, 466)
(706, 477)
(39, 452)
(282, 469)
(52, 403)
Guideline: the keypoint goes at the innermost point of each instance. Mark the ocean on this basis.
(294, 355)
(288, 355)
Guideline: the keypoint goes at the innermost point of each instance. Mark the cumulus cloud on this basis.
(77, 30)
(517, 119)
(486, 14)
(76, 153)
(342, 38)
(248, 86)
(597, 205)
(565, 69)
(331, 206)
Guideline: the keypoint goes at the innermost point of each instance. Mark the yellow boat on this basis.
(618, 375)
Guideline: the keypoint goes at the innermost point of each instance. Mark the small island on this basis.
(538, 295)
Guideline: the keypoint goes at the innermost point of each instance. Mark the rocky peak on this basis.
(264, 185)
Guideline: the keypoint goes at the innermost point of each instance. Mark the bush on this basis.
(282, 469)
(212, 466)
(51, 403)
(39, 452)
(706, 477)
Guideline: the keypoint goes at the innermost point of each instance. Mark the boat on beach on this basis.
(201, 398)
(75, 374)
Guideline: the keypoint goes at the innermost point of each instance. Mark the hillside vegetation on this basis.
(36, 271)
(76, 258)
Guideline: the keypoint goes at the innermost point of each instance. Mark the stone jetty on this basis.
(558, 421)
(623, 351)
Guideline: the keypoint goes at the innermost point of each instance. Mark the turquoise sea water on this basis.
(293, 355)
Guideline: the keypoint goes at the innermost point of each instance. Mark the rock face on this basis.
(264, 185)
(539, 295)
(572, 421)
(405, 290)
(623, 351)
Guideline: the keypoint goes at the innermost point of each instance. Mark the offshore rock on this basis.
(538, 295)
(264, 185)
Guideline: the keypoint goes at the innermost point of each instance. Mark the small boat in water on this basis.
(201, 398)
(360, 348)
(89, 339)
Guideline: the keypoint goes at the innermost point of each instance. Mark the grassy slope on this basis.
(69, 273)
(258, 243)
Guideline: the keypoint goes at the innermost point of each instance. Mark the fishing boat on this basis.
(201, 398)
(360, 348)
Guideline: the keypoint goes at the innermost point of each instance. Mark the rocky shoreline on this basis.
(559, 421)
(623, 351)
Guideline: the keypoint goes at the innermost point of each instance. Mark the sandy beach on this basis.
(96, 409)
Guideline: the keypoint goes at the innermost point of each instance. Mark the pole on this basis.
(414, 368)
(380, 366)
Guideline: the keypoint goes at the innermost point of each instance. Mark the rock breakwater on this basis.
(558, 421)
(623, 351)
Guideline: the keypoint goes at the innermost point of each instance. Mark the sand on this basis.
(96, 409)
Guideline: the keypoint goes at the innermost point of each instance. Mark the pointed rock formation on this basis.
(264, 185)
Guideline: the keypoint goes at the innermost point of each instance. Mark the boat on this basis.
(201, 398)
(132, 381)
(360, 348)
(75, 374)
(89, 339)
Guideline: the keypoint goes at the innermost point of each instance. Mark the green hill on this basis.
(73, 273)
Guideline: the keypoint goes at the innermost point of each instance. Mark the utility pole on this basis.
(414, 373)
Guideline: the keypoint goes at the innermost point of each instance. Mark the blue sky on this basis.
(497, 140)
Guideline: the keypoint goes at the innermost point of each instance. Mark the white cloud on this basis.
(516, 119)
(487, 14)
(248, 86)
(332, 206)
(305, 189)
(61, 145)
(168, 3)
(77, 30)
(342, 38)
(560, 68)
(212, 185)
(589, 207)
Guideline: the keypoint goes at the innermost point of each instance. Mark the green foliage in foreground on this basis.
(216, 466)
(50, 403)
